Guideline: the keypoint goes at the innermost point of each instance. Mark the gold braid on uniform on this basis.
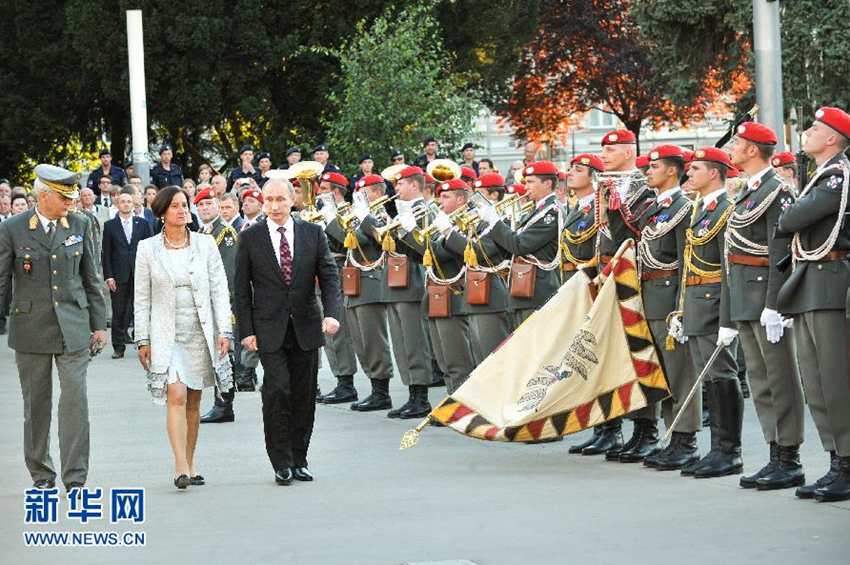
(577, 238)
(220, 237)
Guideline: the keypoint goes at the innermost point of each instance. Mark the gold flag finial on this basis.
(411, 437)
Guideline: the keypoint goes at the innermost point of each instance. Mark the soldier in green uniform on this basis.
(405, 287)
(625, 197)
(485, 287)
(444, 300)
(58, 316)
(227, 241)
(338, 347)
(751, 282)
(363, 287)
(816, 294)
(701, 321)
(660, 255)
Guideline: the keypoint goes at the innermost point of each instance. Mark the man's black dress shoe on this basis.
(43, 484)
(197, 480)
(283, 477)
(302, 474)
(118, 354)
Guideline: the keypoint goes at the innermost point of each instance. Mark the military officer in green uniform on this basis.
(405, 286)
(701, 321)
(816, 294)
(58, 316)
(444, 298)
(485, 287)
(338, 347)
(363, 287)
(625, 197)
(227, 240)
(660, 255)
(751, 282)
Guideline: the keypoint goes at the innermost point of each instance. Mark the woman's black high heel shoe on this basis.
(182, 481)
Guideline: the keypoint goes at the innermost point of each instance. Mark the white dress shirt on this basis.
(668, 194)
(712, 197)
(45, 221)
(289, 232)
(756, 178)
(127, 224)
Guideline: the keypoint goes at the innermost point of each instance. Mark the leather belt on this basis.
(749, 260)
(568, 267)
(837, 255)
(659, 274)
(695, 280)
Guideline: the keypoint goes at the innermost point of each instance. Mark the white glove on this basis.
(407, 221)
(773, 325)
(488, 215)
(360, 209)
(442, 222)
(328, 213)
(676, 330)
(725, 336)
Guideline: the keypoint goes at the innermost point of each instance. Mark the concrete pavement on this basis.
(449, 499)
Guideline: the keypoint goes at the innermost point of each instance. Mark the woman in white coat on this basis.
(183, 324)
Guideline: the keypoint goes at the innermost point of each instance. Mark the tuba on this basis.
(443, 170)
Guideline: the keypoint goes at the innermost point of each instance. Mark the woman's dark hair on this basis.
(163, 199)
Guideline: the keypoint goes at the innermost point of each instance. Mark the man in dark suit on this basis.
(277, 263)
(121, 236)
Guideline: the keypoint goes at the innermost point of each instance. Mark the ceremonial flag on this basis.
(575, 363)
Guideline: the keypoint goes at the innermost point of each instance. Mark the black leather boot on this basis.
(684, 452)
(610, 437)
(652, 459)
(839, 489)
(397, 412)
(706, 411)
(438, 377)
(709, 406)
(222, 410)
(246, 380)
(749, 481)
(787, 473)
(745, 386)
(378, 400)
(419, 407)
(344, 391)
(578, 447)
(730, 408)
(808, 491)
(645, 437)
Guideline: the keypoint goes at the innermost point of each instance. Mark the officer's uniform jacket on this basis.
(367, 258)
(624, 213)
(818, 284)
(488, 255)
(58, 292)
(227, 241)
(578, 241)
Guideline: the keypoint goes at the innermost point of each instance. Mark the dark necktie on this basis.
(285, 257)
(51, 229)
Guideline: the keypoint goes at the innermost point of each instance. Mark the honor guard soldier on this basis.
(626, 196)
(533, 245)
(58, 316)
(226, 240)
(700, 324)
(660, 255)
(816, 294)
(405, 287)
(338, 347)
(448, 326)
(166, 173)
(785, 165)
(751, 283)
(363, 287)
(485, 288)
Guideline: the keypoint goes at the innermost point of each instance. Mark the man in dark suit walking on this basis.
(121, 236)
(277, 263)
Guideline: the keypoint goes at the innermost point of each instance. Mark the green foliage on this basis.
(396, 89)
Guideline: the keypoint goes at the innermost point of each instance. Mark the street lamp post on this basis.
(768, 52)
(138, 102)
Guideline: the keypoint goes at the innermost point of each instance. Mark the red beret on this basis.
(516, 189)
(733, 172)
(588, 160)
(204, 194)
(490, 180)
(714, 155)
(642, 161)
(836, 118)
(783, 158)
(468, 172)
(540, 168)
(253, 193)
(666, 152)
(757, 133)
(454, 184)
(409, 172)
(369, 180)
(335, 177)
(618, 136)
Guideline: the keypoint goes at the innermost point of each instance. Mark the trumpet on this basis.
(420, 235)
(381, 232)
(381, 202)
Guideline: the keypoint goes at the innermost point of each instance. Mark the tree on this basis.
(396, 88)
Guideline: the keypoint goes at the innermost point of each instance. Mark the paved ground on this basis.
(451, 499)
